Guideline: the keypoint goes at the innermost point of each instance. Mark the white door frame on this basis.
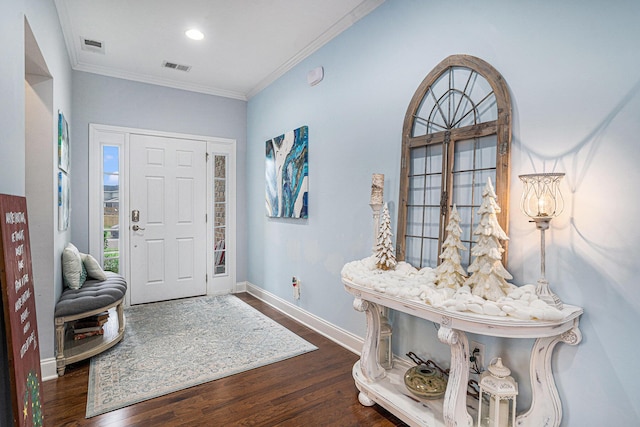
(100, 135)
(226, 282)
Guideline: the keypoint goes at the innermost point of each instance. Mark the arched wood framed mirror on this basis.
(456, 134)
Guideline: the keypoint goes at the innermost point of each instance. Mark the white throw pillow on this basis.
(94, 270)
(73, 271)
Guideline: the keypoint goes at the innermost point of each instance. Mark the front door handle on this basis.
(136, 227)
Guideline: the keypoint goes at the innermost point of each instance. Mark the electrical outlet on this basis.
(477, 350)
(296, 288)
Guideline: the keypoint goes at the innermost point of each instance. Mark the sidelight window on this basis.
(111, 207)
(220, 213)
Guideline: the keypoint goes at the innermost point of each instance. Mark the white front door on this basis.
(167, 218)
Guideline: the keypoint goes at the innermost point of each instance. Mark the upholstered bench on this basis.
(92, 298)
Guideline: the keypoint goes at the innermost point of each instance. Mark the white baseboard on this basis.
(48, 369)
(336, 334)
(240, 287)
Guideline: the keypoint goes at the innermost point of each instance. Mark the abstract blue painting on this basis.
(287, 175)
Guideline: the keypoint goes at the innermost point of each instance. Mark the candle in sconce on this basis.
(377, 189)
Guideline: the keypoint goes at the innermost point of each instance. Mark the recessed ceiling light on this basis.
(194, 34)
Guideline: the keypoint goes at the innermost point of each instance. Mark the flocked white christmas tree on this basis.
(489, 277)
(385, 253)
(450, 274)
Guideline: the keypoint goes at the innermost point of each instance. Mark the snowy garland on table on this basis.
(485, 292)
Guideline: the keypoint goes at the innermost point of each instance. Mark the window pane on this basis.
(219, 259)
(468, 223)
(434, 190)
(430, 253)
(416, 190)
(434, 158)
(419, 127)
(488, 110)
(414, 221)
(413, 252)
(220, 203)
(111, 207)
(417, 165)
(487, 148)
(463, 188)
(481, 181)
(464, 155)
(220, 213)
(432, 222)
(221, 167)
(421, 252)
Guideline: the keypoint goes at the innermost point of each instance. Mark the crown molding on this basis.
(347, 21)
(143, 78)
(73, 47)
(65, 25)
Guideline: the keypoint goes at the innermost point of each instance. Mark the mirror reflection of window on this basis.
(456, 134)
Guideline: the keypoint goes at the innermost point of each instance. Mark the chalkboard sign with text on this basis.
(19, 306)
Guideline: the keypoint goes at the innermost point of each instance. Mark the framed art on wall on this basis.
(63, 201)
(287, 174)
(63, 143)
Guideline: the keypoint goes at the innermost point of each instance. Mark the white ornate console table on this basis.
(387, 388)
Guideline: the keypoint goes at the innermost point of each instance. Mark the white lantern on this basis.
(385, 353)
(498, 391)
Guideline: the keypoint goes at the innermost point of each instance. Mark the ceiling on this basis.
(248, 44)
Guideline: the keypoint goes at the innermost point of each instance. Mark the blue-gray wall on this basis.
(572, 68)
(43, 20)
(117, 102)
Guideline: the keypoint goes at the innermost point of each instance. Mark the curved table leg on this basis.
(455, 399)
(365, 400)
(369, 364)
(546, 406)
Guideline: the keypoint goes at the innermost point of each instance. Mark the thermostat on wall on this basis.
(315, 76)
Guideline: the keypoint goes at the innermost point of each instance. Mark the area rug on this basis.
(172, 345)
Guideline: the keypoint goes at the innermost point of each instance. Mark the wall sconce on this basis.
(541, 201)
(498, 391)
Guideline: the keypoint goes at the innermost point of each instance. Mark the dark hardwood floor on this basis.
(314, 389)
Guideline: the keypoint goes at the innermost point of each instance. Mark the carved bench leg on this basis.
(60, 362)
(120, 311)
(546, 406)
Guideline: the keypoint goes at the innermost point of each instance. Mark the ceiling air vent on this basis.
(174, 66)
(91, 45)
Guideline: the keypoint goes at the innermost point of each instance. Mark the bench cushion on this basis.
(93, 295)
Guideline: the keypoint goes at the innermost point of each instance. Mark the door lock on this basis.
(135, 215)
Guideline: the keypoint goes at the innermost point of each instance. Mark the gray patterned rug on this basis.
(172, 345)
